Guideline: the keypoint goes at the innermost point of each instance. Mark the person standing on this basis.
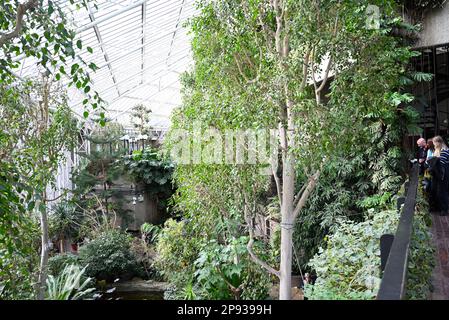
(442, 174)
(421, 155)
(430, 149)
(429, 180)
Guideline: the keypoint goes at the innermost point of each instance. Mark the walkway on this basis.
(440, 278)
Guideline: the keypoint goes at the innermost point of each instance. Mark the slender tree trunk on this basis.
(44, 255)
(288, 178)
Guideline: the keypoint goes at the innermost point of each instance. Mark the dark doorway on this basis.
(432, 98)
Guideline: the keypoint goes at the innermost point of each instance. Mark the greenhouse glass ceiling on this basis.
(140, 46)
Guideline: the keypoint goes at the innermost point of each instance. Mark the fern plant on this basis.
(69, 284)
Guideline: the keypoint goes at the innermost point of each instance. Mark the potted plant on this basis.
(65, 224)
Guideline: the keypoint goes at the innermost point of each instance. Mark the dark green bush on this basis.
(57, 263)
(109, 257)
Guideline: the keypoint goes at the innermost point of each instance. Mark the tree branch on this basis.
(21, 10)
(250, 244)
(326, 76)
(311, 184)
(251, 63)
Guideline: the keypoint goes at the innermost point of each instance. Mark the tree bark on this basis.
(287, 218)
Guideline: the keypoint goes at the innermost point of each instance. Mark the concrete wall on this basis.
(142, 211)
(435, 27)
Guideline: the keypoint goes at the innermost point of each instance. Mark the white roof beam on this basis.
(103, 49)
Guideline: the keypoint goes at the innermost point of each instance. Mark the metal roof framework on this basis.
(140, 48)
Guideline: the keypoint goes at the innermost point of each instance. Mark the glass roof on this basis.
(140, 46)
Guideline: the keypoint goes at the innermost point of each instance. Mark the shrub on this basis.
(109, 256)
(57, 263)
(65, 221)
(176, 252)
(198, 268)
(349, 266)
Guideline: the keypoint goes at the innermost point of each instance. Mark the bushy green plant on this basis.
(68, 284)
(57, 264)
(176, 252)
(109, 256)
(208, 269)
(349, 266)
(225, 271)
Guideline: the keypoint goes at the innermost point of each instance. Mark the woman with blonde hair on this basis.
(442, 174)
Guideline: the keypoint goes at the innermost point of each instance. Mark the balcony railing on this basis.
(395, 259)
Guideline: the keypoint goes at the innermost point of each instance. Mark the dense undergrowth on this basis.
(348, 265)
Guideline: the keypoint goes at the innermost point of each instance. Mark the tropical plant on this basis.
(150, 232)
(19, 234)
(140, 117)
(223, 272)
(36, 138)
(65, 222)
(349, 265)
(94, 178)
(68, 284)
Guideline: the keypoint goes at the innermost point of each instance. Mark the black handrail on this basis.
(394, 280)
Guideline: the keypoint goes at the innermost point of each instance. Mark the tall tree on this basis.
(266, 64)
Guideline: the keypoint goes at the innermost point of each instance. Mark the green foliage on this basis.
(241, 81)
(65, 221)
(95, 176)
(68, 285)
(147, 167)
(58, 263)
(150, 232)
(207, 269)
(109, 256)
(422, 253)
(18, 232)
(176, 252)
(33, 140)
(348, 267)
(225, 271)
(422, 4)
(48, 36)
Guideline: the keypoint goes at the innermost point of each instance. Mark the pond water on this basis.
(133, 295)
